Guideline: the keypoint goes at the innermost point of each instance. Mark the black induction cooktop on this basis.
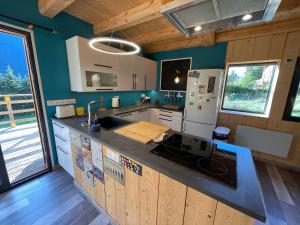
(200, 155)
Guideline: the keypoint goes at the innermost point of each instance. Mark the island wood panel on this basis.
(132, 202)
(226, 215)
(100, 193)
(110, 196)
(282, 46)
(77, 171)
(171, 201)
(149, 183)
(120, 203)
(199, 208)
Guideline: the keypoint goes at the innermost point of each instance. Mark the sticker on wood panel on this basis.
(114, 170)
(131, 165)
(87, 163)
(98, 174)
(79, 158)
(85, 142)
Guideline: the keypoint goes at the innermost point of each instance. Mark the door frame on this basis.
(37, 92)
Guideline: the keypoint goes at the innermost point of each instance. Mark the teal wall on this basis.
(202, 58)
(52, 56)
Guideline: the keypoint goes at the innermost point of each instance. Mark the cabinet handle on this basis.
(165, 111)
(102, 65)
(133, 81)
(165, 119)
(59, 148)
(58, 125)
(104, 89)
(145, 82)
(129, 114)
(60, 138)
(165, 115)
(143, 110)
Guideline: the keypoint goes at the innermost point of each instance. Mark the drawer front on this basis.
(65, 160)
(61, 131)
(167, 114)
(173, 124)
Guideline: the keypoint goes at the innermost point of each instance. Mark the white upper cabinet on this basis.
(91, 70)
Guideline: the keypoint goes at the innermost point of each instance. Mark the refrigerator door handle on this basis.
(183, 126)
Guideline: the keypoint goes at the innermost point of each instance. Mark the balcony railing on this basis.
(13, 99)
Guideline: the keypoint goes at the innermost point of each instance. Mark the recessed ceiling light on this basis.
(197, 28)
(247, 17)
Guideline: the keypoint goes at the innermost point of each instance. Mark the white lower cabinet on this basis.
(63, 147)
(168, 118)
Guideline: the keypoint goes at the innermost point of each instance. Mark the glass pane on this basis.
(296, 107)
(98, 79)
(247, 87)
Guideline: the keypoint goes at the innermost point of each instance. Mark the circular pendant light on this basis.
(92, 42)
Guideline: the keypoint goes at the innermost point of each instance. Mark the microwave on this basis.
(100, 79)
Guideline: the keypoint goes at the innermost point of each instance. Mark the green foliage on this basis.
(252, 74)
(12, 84)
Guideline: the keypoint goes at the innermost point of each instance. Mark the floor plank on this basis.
(279, 186)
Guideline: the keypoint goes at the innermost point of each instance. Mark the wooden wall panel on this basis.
(199, 208)
(120, 203)
(261, 47)
(243, 50)
(100, 193)
(132, 190)
(226, 215)
(278, 47)
(171, 201)
(148, 196)
(110, 196)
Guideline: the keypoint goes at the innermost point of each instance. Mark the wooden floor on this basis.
(22, 151)
(53, 199)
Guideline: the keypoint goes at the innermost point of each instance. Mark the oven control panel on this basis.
(131, 165)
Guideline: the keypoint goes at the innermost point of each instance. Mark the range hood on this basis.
(194, 16)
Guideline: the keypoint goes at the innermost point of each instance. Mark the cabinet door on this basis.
(171, 201)
(143, 114)
(151, 74)
(110, 196)
(149, 182)
(132, 188)
(199, 208)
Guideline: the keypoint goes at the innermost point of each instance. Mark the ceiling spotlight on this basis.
(197, 28)
(247, 17)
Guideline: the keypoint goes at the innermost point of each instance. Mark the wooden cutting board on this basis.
(142, 131)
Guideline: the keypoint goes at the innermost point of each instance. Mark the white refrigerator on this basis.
(202, 102)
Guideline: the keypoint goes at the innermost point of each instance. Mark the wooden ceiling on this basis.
(141, 21)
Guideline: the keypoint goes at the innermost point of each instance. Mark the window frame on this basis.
(287, 115)
(270, 94)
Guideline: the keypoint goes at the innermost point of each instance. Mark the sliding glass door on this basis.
(24, 147)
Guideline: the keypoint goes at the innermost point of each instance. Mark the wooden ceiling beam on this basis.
(142, 13)
(51, 8)
(158, 35)
(204, 39)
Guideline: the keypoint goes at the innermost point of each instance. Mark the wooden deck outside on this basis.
(22, 151)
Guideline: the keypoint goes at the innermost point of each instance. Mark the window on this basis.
(292, 109)
(249, 88)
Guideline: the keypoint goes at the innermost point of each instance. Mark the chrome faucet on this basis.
(90, 113)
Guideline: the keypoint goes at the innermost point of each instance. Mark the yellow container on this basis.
(79, 111)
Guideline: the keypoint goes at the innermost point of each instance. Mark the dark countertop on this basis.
(247, 197)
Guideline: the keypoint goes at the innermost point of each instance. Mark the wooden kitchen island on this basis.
(132, 193)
